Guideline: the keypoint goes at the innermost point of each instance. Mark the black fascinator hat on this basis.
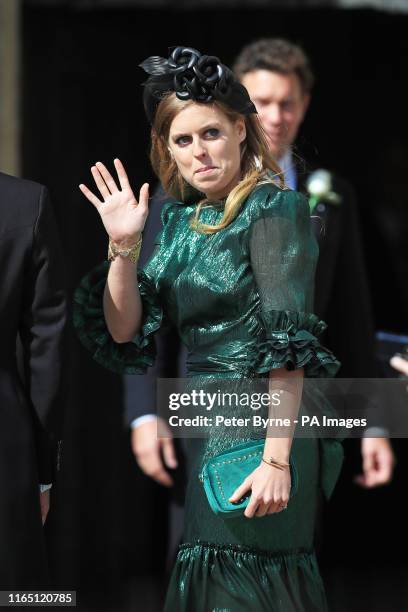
(192, 76)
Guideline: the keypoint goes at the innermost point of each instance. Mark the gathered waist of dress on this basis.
(222, 348)
(208, 337)
(222, 358)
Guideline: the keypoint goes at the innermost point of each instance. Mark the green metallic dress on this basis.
(241, 300)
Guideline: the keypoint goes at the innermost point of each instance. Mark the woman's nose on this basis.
(198, 149)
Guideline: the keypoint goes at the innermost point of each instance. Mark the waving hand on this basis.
(122, 215)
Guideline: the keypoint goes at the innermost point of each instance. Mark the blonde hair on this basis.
(257, 163)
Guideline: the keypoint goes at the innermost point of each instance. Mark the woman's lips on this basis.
(205, 169)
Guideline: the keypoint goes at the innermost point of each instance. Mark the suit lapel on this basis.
(326, 222)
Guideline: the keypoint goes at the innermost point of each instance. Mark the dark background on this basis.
(82, 103)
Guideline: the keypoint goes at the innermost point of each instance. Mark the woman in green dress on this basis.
(233, 271)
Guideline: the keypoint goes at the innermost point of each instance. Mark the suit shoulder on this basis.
(20, 186)
(345, 188)
(21, 198)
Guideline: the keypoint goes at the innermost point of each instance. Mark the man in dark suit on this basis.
(32, 322)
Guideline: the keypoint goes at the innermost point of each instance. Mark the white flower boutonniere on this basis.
(319, 187)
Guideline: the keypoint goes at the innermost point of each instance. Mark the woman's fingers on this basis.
(122, 176)
(107, 177)
(252, 507)
(144, 196)
(90, 196)
(277, 506)
(261, 510)
(100, 183)
(240, 491)
(267, 507)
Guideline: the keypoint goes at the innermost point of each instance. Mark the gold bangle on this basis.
(279, 465)
(132, 253)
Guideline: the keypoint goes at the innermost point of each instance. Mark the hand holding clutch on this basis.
(224, 474)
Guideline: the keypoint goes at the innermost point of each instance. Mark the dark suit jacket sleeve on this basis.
(140, 391)
(353, 341)
(350, 300)
(42, 332)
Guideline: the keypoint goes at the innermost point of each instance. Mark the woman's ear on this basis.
(240, 129)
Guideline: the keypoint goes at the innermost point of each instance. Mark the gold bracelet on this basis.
(279, 465)
(132, 253)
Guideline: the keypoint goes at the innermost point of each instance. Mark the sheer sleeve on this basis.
(283, 255)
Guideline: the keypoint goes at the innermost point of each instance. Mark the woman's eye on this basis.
(183, 140)
(213, 133)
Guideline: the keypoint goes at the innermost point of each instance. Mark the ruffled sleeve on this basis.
(283, 255)
(125, 358)
(291, 339)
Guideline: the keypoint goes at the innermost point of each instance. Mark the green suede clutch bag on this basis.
(222, 474)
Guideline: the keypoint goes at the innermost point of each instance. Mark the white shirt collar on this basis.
(288, 168)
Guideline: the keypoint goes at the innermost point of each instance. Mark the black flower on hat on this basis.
(193, 76)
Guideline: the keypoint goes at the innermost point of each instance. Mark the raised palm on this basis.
(122, 215)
